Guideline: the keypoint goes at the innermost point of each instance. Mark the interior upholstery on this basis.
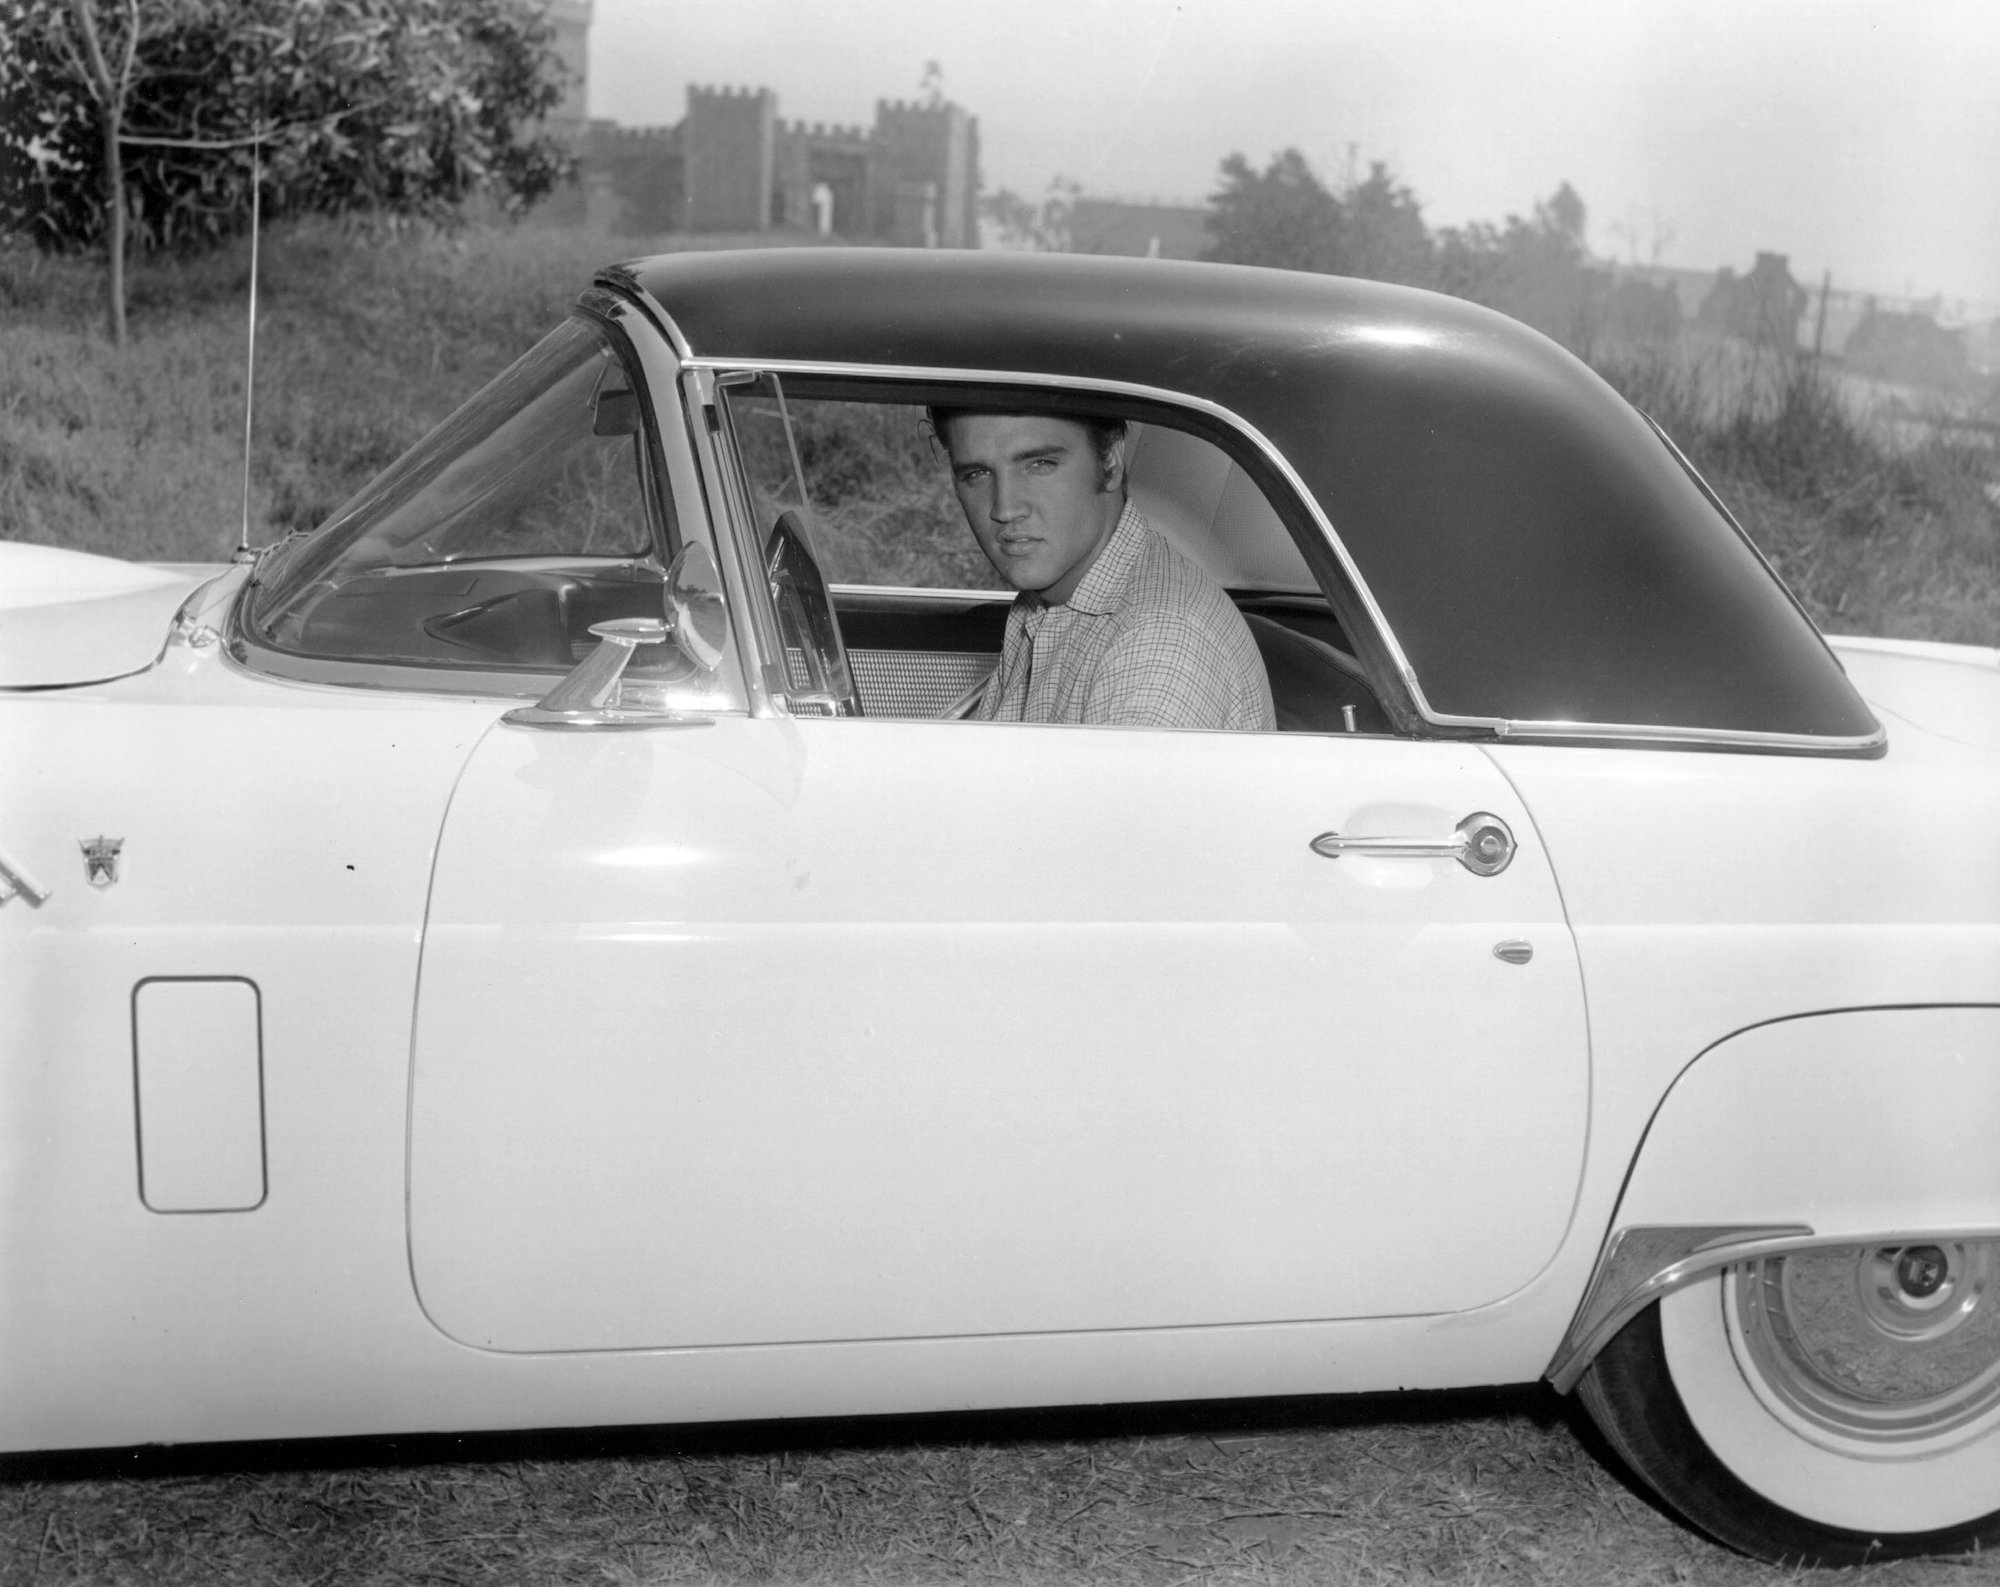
(1312, 680)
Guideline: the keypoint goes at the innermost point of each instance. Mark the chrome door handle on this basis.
(1482, 843)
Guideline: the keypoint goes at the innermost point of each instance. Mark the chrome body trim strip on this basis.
(1639, 1265)
(1006, 597)
(1642, 734)
(1499, 727)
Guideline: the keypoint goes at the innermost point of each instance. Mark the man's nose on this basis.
(1008, 507)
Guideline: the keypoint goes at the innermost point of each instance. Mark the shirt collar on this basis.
(1102, 589)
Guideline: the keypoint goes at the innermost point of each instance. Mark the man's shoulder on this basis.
(1167, 587)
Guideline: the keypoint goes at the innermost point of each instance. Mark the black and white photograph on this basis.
(1126, 792)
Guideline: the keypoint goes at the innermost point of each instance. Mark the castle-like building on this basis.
(732, 165)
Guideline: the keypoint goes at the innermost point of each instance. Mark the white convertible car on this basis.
(548, 948)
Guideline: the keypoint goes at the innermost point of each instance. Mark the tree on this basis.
(157, 115)
(1384, 236)
(1034, 228)
(1284, 217)
(1537, 270)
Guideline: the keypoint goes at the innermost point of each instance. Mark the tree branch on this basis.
(154, 142)
(124, 85)
(65, 46)
(96, 73)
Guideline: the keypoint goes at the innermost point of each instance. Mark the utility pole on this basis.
(1819, 331)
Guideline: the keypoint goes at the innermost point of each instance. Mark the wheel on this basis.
(1829, 1407)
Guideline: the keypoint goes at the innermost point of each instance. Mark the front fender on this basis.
(1871, 1126)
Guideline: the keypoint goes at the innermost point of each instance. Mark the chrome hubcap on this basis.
(1883, 1344)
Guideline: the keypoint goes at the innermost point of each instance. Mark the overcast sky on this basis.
(1854, 135)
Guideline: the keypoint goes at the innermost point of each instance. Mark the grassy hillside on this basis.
(360, 349)
(366, 343)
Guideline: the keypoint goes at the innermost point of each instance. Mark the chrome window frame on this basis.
(1446, 724)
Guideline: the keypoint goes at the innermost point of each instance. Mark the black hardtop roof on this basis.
(1537, 551)
(1211, 330)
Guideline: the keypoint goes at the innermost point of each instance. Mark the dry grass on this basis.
(367, 341)
(1494, 1487)
(364, 342)
(1877, 531)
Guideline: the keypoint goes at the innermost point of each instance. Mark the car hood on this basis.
(68, 617)
(1950, 691)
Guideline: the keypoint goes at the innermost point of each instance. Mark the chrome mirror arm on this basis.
(697, 625)
(15, 881)
(586, 698)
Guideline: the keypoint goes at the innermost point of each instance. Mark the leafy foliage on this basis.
(1386, 236)
(1284, 216)
(1036, 228)
(1536, 269)
(398, 106)
(1287, 217)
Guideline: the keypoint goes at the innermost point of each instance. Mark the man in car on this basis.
(1112, 626)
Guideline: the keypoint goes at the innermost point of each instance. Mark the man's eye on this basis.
(970, 476)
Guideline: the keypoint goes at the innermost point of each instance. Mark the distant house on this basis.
(1140, 230)
(1763, 307)
(1689, 287)
(1912, 349)
(1641, 311)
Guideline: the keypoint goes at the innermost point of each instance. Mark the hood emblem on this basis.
(100, 860)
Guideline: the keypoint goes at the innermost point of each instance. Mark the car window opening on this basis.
(923, 613)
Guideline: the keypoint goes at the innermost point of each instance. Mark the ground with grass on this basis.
(1493, 1487)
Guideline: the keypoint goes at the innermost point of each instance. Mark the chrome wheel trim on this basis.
(1849, 1466)
(1840, 1344)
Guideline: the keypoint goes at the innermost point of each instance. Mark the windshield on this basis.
(538, 482)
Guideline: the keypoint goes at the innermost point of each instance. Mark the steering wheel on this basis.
(815, 659)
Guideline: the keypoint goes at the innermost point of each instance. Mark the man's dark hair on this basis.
(1104, 433)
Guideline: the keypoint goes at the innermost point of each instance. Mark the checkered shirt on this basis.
(1146, 640)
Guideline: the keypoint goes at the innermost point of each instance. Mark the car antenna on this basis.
(243, 552)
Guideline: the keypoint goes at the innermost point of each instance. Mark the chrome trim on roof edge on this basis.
(1500, 727)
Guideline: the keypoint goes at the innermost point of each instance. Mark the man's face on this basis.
(1035, 496)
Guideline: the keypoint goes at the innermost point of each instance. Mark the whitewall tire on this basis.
(1829, 1407)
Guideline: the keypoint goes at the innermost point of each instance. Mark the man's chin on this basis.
(1028, 580)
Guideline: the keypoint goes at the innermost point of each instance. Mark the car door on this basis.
(778, 1029)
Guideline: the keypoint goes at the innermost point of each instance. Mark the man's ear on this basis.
(1114, 468)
